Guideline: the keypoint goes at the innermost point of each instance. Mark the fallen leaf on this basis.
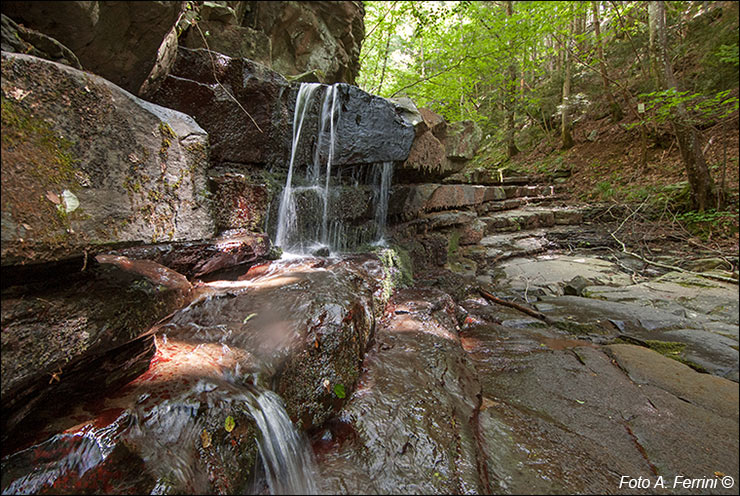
(70, 201)
(53, 197)
(339, 391)
(719, 474)
(205, 438)
(251, 315)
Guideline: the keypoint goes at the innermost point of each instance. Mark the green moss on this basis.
(453, 244)
(573, 327)
(397, 269)
(167, 136)
(670, 349)
(667, 348)
(36, 161)
(20, 127)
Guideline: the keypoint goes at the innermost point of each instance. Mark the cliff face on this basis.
(319, 41)
(324, 37)
(133, 44)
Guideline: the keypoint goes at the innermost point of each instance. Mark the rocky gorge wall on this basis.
(120, 185)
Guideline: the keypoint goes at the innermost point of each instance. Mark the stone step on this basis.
(493, 177)
(529, 217)
(512, 203)
(409, 201)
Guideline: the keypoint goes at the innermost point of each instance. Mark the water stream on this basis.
(313, 211)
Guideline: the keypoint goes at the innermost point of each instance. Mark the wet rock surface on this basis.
(168, 428)
(562, 416)
(73, 334)
(86, 165)
(410, 426)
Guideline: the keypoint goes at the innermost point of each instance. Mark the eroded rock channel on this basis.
(426, 327)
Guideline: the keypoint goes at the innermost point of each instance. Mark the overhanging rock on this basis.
(87, 165)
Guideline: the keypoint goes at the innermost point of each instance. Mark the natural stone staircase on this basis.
(507, 217)
(481, 209)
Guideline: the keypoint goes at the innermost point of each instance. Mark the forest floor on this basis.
(604, 165)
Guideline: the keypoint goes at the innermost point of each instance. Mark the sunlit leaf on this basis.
(229, 424)
(70, 201)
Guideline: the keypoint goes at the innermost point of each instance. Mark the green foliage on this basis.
(728, 54)
(660, 105)
(339, 391)
(452, 56)
(709, 223)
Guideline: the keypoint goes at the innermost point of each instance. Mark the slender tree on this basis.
(510, 93)
(615, 109)
(703, 190)
(565, 124)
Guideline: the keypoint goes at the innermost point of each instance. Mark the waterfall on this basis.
(382, 174)
(287, 214)
(308, 216)
(288, 462)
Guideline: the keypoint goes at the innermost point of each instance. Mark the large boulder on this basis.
(128, 43)
(219, 29)
(20, 39)
(305, 36)
(463, 139)
(242, 104)
(87, 165)
(427, 157)
(440, 149)
(370, 129)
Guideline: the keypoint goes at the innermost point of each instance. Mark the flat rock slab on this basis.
(645, 366)
(624, 317)
(695, 295)
(558, 415)
(551, 272)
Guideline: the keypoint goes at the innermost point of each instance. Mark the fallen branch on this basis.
(532, 313)
(213, 65)
(673, 267)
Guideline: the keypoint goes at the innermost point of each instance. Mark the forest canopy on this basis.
(526, 71)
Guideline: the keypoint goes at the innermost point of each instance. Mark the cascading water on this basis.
(287, 214)
(313, 215)
(288, 464)
(382, 177)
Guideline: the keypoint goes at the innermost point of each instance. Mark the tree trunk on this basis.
(509, 96)
(565, 125)
(703, 190)
(616, 110)
(385, 63)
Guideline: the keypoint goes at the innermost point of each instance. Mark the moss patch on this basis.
(397, 268)
(31, 150)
